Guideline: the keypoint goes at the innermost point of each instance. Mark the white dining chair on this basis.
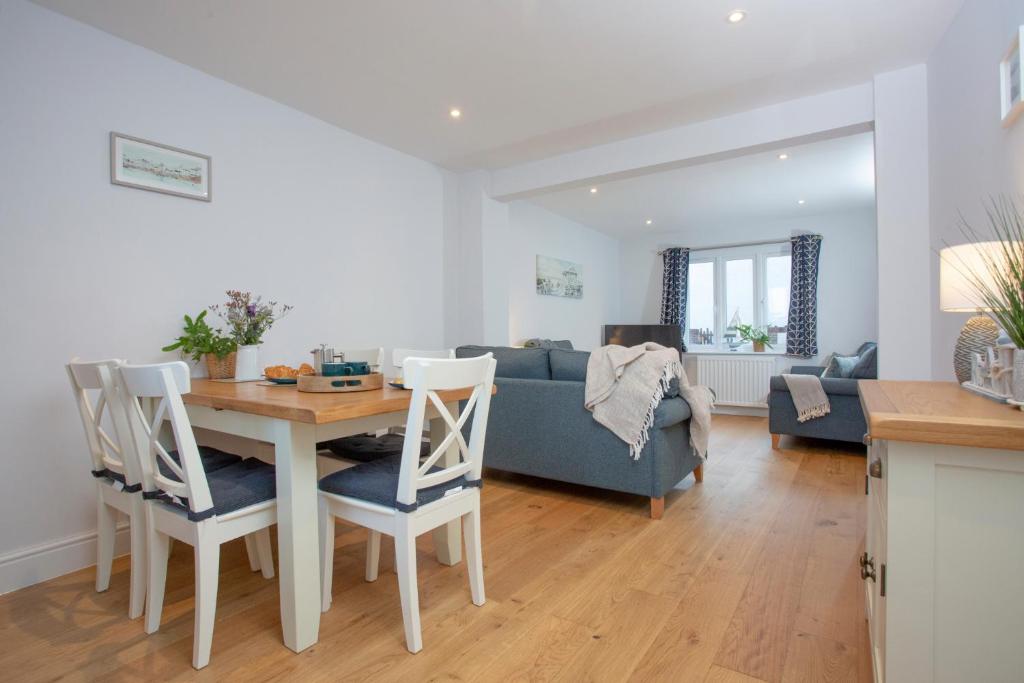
(398, 356)
(116, 470)
(403, 497)
(184, 502)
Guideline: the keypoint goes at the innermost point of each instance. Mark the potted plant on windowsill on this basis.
(200, 341)
(757, 336)
(248, 318)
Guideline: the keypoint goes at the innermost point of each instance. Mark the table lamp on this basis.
(960, 267)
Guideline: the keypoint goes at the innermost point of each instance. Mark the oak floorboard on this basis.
(750, 576)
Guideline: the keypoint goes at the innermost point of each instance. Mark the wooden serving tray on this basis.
(340, 383)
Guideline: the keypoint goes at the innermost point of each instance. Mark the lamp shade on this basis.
(959, 267)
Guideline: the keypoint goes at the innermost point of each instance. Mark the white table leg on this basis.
(298, 550)
(448, 537)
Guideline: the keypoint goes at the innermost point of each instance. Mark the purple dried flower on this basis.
(250, 310)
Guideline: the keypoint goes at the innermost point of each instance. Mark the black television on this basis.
(631, 335)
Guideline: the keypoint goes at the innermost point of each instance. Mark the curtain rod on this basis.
(784, 240)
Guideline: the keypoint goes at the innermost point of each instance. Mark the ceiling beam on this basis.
(832, 114)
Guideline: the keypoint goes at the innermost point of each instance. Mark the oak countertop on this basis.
(940, 413)
(287, 403)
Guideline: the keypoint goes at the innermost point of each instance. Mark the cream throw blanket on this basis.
(625, 386)
(809, 398)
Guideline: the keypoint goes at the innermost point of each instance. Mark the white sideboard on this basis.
(944, 560)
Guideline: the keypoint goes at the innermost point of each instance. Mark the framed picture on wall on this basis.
(556, 277)
(1012, 80)
(148, 165)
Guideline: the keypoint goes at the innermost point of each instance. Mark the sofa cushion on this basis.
(548, 344)
(867, 364)
(841, 366)
(515, 363)
(570, 366)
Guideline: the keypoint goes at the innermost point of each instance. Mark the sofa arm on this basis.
(671, 411)
(833, 386)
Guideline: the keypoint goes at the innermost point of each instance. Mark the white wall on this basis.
(972, 155)
(847, 284)
(534, 230)
(346, 230)
(904, 259)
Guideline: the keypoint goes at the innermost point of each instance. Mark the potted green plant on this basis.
(997, 276)
(199, 341)
(248, 318)
(757, 336)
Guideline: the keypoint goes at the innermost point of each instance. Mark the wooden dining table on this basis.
(294, 422)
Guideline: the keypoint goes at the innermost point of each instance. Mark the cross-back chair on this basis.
(187, 503)
(403, 497)
(116, 468)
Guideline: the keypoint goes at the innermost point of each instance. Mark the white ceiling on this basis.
(831, 175)
(532, 77)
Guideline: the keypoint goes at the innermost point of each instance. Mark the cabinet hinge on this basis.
(881, 582)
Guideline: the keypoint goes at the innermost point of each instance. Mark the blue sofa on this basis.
(845, 422)
(539, 426)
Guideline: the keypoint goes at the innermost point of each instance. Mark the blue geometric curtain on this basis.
(802, 332)
(674, 290)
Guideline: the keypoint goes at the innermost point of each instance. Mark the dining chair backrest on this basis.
(166, 382)
(398, 356)
(372, 357)
(111, 450)
(425, 377)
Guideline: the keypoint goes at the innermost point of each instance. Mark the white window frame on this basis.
(759, 254)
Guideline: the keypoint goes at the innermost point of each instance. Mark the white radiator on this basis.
(737, 380)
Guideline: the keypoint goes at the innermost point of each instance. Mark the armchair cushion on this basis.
(570, 366)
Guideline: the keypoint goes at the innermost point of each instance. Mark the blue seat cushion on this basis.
(234, 487)
(377, 482)
(365, 448)
(212, 459)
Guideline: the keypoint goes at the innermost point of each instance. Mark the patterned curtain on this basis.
(802, 333)
(674, 290)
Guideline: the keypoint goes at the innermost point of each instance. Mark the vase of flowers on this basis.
(248, 318)
(199, 341)
(997, 277)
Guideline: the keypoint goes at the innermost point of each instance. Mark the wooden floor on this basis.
(750, 576)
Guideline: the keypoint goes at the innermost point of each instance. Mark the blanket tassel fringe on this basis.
(672, 370)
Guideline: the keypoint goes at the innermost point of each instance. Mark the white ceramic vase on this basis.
(1017, 388)
(247, 362)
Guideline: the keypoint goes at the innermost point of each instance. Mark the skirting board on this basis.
(35, 564)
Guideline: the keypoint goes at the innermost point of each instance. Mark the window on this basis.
(734, 286)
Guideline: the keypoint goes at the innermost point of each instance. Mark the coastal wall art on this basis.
(148, 165)
(556, 277)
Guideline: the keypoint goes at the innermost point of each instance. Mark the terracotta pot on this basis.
(220, 368)
(758, 347)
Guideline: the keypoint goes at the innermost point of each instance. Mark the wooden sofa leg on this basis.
(698, 473)
(775, 441)
(657, 507)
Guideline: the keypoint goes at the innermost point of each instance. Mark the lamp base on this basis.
(979, 333)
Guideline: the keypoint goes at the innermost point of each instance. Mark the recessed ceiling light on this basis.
(455, 113)
(736, 16)
(801, 202)
(649, 221)
(593, 190)
(783, 156)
